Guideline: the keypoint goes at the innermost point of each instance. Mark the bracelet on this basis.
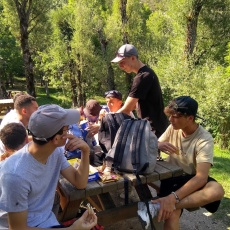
(177, 198)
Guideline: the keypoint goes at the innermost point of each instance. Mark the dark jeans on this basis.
(173, 184)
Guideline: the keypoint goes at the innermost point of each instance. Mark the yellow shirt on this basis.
(193, 149)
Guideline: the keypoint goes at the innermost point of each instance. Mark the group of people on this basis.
(28, 178)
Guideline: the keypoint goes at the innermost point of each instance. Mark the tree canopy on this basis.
(71, 43)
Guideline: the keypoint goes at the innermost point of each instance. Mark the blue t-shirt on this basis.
(26, 184)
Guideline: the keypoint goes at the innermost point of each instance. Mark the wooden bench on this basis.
(99, 195)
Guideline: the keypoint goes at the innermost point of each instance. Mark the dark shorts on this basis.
(59, 226)
(173, 184)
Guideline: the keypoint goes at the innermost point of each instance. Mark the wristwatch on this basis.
(177, 198)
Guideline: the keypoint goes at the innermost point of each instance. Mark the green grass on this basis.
(220, 171)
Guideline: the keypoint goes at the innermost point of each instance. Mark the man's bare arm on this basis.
(130, 105)
(18, 221)
(78, 178)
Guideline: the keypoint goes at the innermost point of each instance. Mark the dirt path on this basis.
(197, 220)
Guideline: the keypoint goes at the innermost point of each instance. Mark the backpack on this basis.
(135, 148)
(110, 123)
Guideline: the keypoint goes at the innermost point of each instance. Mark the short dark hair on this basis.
(23, 101)
(41, 142)
(13, 135)
(17, 95)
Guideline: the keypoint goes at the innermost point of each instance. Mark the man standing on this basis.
(28, 179)
(145, 94)
(189, 146)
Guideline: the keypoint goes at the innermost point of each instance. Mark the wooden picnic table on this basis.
(99, 195)
(5, 106)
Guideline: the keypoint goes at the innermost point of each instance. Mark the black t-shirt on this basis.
(146, 88)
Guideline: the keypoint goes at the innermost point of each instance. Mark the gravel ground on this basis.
(196, 220)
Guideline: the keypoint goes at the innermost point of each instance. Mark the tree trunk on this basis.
(79, 84)
(73, 83)
(110, 72)
(23, 10)
(192, 21)
(3, 93)
(124, 20)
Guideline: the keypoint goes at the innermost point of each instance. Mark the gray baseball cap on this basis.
(124, 51)
(49, 119)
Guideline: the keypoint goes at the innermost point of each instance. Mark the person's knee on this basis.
(172, 223)
(216, 191)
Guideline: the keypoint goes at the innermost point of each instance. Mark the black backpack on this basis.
(110, 123)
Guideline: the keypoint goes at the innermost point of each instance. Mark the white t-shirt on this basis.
(26, 184)
(10, 117)
(197, 148)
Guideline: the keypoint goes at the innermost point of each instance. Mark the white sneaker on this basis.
(143, 213)
(131, 193)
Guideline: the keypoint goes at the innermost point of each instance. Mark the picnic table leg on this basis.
(102, 201)
(69, 207)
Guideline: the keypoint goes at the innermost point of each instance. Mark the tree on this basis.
(27, 15)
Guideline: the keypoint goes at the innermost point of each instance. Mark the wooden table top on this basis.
(163, 170)
(6, 101)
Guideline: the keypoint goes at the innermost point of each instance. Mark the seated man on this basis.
(190, 147)
(24, 106)
(13, 137)
(113, 100)
(28, 179)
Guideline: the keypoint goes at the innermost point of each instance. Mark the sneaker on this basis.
(131, 194)
(143, 213)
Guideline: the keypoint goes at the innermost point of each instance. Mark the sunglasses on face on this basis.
(92, 119)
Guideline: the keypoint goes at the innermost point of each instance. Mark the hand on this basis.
(102, 113)
(75, 143)
(92, 130)
(167, 148)
(85, 222)
(167, 206)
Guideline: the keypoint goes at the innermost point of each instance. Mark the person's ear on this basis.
(56, 139)
(191, 118)
(24, 111)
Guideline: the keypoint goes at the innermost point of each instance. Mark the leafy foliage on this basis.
(86, 35)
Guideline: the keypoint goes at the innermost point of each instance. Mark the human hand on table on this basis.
(75, 143)
(167, 206)
(85, 222)
(167, 148)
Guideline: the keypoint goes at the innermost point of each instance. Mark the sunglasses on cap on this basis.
(173, 105)
(112, 92)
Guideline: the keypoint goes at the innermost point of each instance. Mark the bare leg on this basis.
(211, 192)
(173, 222)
